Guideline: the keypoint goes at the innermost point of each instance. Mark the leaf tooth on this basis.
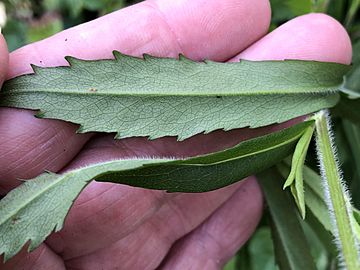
(148, 57)
(118, 136)
(40, 114)
(36, 69)
(81, 129)
(73, 60)
(117, 55)
(183, 58)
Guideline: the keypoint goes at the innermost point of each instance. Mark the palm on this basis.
(119, 227)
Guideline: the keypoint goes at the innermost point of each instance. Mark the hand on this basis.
(119, 227)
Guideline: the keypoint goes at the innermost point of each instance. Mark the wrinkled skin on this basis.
(120, 227)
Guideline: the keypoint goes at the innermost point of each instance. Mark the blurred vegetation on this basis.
(31, 20)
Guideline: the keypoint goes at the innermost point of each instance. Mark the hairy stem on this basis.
(337, 198)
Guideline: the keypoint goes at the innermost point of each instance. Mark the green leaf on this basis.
(314, 194)
(292, 251)
(261, 250)
(158, 97)
(295, 179)
(33, 210)
(39, 206)
(317, 216)
(299, 7)
(213, 171)
(349, 109)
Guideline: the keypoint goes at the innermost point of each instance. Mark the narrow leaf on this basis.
(295, 179)
(291, 248)
(213, 171)
(158, 97)
(39, 206)
(317, 215)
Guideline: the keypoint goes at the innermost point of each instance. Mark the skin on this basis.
(119, 227)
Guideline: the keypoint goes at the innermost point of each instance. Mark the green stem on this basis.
(355, 4)
(337, 199)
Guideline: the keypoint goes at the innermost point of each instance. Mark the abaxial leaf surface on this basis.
(158, 97)
(39, 206)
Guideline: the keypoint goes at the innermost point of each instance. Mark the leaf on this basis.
(261, 250)
(351, 85)
(33, 210)
(299, 7)
(349, 109)
(158, 97)
(295, 179)
(39, 206)
(314, 194)
(213, 171)
(317, 215)
(292, 251)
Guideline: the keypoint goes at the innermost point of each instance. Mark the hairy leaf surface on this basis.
(213, 171)
(36, 208)
(158, 97)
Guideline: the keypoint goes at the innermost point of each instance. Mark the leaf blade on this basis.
(21, 220)
(167, 97)
(291, 248)
(213, 171)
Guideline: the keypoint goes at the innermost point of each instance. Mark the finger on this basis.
(177, 217)
(213, 243)
(43, 258)
(199, 29)
(328, 41)
(85, 223)
(93, 198)
(4, 59)
(310, 37)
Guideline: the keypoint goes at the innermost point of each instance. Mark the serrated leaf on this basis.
(158, 97)
(292, 251)
(39, 206)
(295, 179)
(33, 210)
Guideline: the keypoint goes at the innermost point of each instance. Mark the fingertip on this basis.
(313, 36)
(4, 59)
(212, 29)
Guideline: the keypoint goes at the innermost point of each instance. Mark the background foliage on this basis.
(26, 21)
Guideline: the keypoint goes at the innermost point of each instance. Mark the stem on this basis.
(355, 4)
(338, 200)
